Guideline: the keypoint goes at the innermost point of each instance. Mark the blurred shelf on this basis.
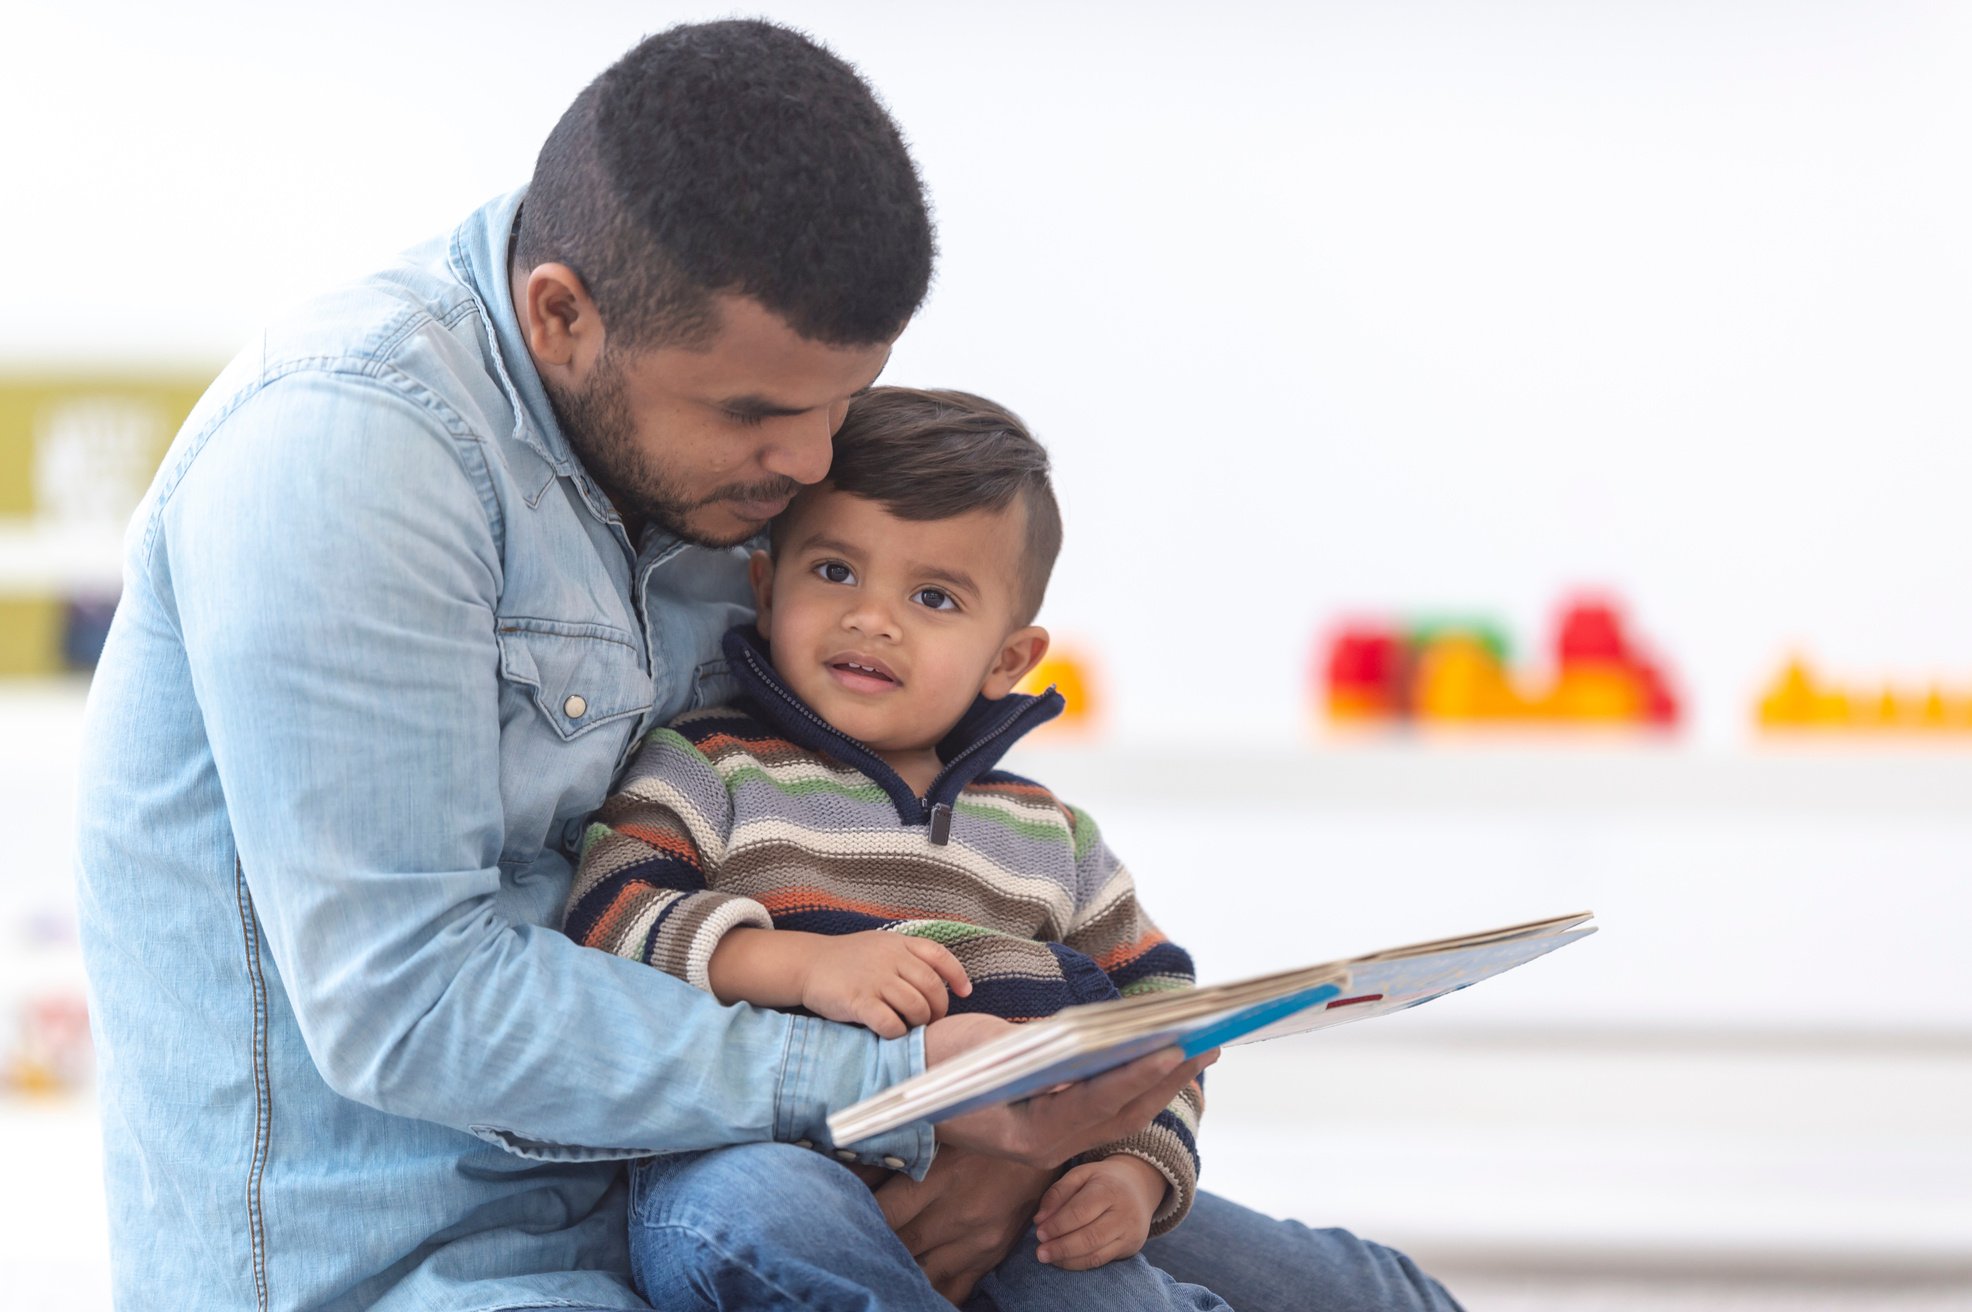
(43, 560)
(1907, 777)
(1546, 1154)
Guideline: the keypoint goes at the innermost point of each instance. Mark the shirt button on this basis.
(894, 1163)
(575, 706)
(845, 1155)
(804, 1143)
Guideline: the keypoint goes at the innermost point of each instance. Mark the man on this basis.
(411, 581)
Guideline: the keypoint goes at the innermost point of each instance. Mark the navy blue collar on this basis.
(974, 746)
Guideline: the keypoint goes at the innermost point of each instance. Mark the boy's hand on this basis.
(890, 983)
(1098, 1212)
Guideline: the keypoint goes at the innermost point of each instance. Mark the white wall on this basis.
(1321, 306)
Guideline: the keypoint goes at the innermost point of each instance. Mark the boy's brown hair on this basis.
(926, 454)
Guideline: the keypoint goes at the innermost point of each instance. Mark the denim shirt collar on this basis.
(975, 744)
(478, 256)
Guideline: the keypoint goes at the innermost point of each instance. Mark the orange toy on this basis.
(1069, 673)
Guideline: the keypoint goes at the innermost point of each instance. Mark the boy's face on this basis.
(889, 628)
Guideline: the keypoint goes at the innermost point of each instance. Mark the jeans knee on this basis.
(777, 1184)
(763, 1226)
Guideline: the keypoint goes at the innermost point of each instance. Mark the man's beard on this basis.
(601, 430)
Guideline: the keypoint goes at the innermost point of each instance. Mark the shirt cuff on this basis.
(829, 1067)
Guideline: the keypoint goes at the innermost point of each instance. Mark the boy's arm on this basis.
(643, 890)
(643, 887)
(1111, 928)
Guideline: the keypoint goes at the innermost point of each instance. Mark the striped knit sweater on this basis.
(760, 813)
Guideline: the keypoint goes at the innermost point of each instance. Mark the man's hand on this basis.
(964, 1217)
(1049, 1128)
(890, 983)
(1098, 1212)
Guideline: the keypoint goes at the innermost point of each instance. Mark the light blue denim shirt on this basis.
(382, 646)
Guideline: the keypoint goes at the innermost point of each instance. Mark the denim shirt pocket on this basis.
(582, 676)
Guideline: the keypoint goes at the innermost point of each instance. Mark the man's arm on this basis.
(333, 562)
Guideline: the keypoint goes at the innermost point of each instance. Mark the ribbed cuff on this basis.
(730, 913)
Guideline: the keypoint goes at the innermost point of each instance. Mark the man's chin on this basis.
(717, 526)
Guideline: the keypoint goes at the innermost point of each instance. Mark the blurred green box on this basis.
(77, 450)
(30, 636)
(83, 446)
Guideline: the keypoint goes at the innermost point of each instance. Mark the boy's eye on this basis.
(744, 418)
(935, 598)
(835, 572)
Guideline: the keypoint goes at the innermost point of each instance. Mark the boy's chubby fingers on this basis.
(940, 959)
(907, 1001)
(1075, 1209)
(874, 1016)
(1103, 1250)
(929, 983)
(1080, 1248)
(1058, 1193)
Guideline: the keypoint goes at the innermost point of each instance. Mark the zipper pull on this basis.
(941, 824)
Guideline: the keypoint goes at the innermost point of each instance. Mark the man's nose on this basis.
(801, 449)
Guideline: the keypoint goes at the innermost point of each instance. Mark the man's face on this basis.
(711, 443)
(889, 628)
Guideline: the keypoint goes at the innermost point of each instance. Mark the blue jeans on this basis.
(775, 1226)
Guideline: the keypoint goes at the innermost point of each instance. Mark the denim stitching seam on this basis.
(262, 1091)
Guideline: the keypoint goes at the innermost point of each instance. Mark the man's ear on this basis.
(564, 332)
(1021, 652)
(760, 572)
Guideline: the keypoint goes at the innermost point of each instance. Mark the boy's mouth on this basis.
(864, 675)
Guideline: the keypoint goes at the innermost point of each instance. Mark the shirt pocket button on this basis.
(575, 706)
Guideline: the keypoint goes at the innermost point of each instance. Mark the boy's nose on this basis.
(871, 618)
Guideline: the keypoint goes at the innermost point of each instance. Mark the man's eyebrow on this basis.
(760, 407)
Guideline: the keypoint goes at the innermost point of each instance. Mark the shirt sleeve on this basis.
(1111, 928)
(331, 556)
(643, 887)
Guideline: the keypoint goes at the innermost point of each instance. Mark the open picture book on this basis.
(1079, 1042)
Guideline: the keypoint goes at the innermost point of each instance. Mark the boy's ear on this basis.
(760, 572)
(1021, 652)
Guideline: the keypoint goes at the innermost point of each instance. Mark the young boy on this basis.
(838, 840)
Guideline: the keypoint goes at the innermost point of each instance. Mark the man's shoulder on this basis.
(396, 374)
(415, 328)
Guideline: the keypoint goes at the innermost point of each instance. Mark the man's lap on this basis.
(733, 1226)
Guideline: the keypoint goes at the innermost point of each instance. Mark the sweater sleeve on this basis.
(644, 887)
(1112, 930)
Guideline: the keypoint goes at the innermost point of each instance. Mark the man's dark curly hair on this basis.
(735, 157)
